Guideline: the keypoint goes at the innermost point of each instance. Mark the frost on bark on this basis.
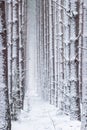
(37, 38)
(80, 47)
(74, 83)
(10, 47)
(47, 45)
(41, 53)
(53, 53)
(22, 46)
(15, 61)
(84, 67)
(50, 50)
(43, 49)
(61, 56)
(16, 30)
(5, 123)
(56, 52)
(66, 58)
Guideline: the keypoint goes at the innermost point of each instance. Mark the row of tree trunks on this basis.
(16, 23)
(59, 53)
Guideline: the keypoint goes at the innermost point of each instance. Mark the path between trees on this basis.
(42, 116)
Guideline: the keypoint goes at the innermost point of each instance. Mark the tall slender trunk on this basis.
(67, 58)
(10, 47)
(15, 60)
(74, 83)
(50, 42)
(5, 121)
(84, 67)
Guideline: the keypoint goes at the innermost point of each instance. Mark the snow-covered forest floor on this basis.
(43, 116)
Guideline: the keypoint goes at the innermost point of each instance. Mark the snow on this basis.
(38, 114)
(43, 116)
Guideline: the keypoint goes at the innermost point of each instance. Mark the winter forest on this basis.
(43, 64)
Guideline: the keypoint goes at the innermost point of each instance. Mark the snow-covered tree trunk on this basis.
(42, 49)
(37, 38)
(25, 58)
(40, 53)
(74, 83)
(80, 47)
(20, 53)
(84, 67)
(53, 55)
(55, 71)
(48, 50)
(66, 58)
(61, 56)
(57, 54)
(15, 60)
(40, 44)
(5, 121)
(50, 42)
(49, 58)
(10, 47)
(47, 36)
(22, 47)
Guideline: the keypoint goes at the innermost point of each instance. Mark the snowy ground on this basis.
(43, 116)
